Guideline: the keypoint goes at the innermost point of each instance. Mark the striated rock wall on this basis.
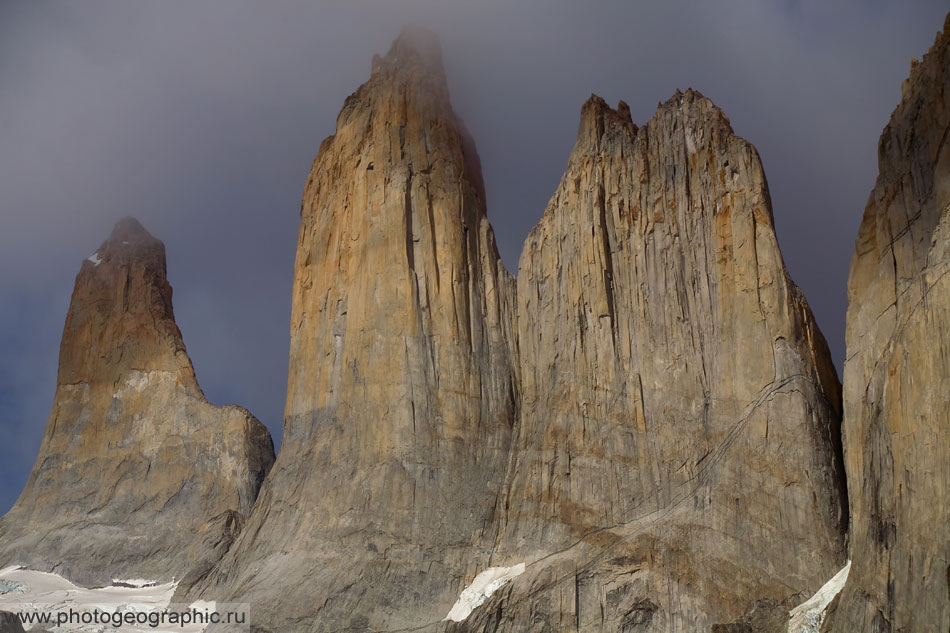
(138, 475)
(897, 372)
(641, 433)
(402, 390)
(652, 434)
(675, 466)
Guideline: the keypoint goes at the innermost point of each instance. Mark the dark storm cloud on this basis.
(202, 120)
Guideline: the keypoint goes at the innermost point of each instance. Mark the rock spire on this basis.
(676, 466)
(402, 391)
(138, 476)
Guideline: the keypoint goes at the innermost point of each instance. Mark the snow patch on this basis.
(9, 587)
(134, 583)
(51, 593)
(809, 615)
(484, 585)
(94, 258)
(137, 381)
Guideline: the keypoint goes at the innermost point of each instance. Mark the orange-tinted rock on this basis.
(654, 432)
(136, 468)
(675, 467)
(402, 387)
(897, 372)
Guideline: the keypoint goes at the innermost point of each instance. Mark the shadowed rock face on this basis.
(402, 382)
(897, 372)
(675, 466)
(138, 475)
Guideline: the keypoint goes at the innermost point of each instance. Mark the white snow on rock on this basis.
(484, 585)
(44, 592)
(137, 381)
(11, 587)
(136, 583)
(809, 615)
(94, 258)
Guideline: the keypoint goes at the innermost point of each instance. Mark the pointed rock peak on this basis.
(624, 111)
(407, 93)
(138, 476)
(417, 42)
(922, 72)
(594, 106)
(129, 242)
(416, 47)
(129, 228)
(599, 119)
(411, 386)
(696, 106)
(120, 316)
(410, 76)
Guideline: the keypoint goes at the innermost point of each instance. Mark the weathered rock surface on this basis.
(675, 466)
(137, 473)
(897, 372)
(645, 437)
(402, 390)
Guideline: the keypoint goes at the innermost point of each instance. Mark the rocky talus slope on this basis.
(675, 467)
(402, 391)
(897, 371)
(138, 476)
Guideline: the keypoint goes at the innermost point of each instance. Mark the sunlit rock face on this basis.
(138, 475)
(402, 389)
(897, 372)
(675, 468)
(645, 437)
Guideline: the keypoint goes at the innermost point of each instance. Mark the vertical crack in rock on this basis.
(897, 373)
(138, 476)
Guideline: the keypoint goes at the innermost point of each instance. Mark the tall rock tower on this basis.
(676, 466)
(650, 424)
(138, 476)
(402, 390)
(897, 372)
